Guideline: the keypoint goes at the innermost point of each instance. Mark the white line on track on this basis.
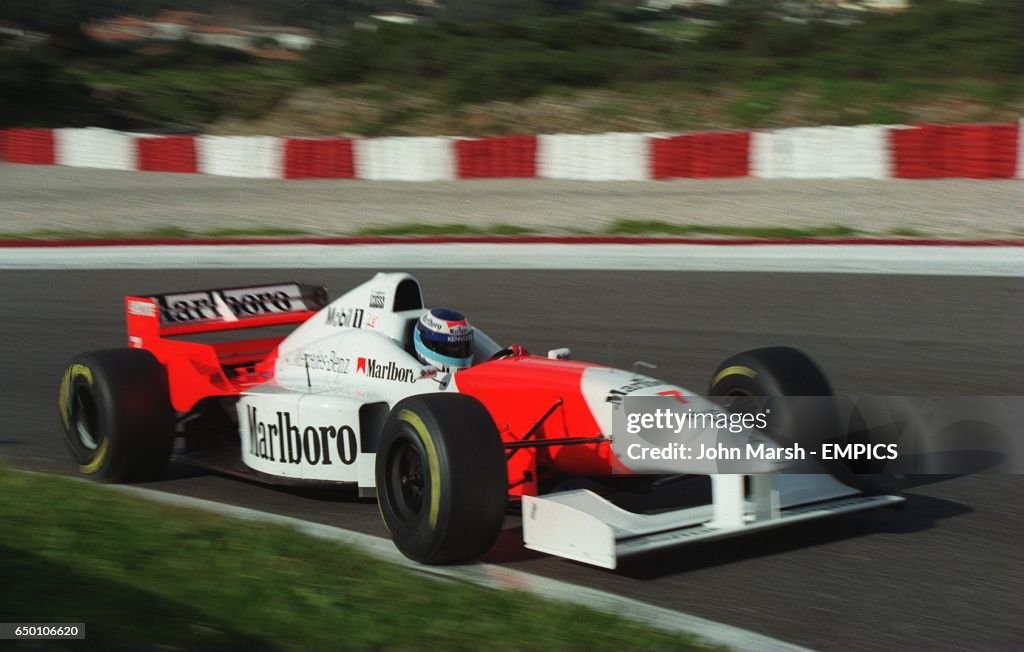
(931, 260)
(496, 577)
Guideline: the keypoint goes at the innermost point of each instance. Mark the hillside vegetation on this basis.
(945, 60)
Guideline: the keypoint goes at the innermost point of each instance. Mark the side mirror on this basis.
(445, 380)
(559, 354)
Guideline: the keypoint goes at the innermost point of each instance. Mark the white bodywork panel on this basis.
(350, 354)
(307, 436)
(582, 526)
(354, 352)
(599, 382)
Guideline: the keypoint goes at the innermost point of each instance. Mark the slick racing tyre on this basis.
(116, 413)
(772, 378)
(765, 380)
(771, 373)
(442, 483)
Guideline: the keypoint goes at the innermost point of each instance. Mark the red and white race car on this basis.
(344, 398)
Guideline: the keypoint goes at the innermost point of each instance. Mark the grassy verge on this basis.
(621, 227)
(148, 576)
(653, 227)
(905, 232)
(446, 229)
(190, 95)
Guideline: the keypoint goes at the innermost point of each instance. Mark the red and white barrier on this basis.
(496, 157)
(1020, 149)
(596, 157)
(318, 158)
(701, 155)
(167, 154)
(405, 159)
(95, 148)
(978, 151)
(989, 151)
(259, 157)
(821, 153)
(28, 146)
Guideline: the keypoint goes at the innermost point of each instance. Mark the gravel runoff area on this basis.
(37, 198)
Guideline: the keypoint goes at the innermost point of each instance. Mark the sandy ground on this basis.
(34, 198)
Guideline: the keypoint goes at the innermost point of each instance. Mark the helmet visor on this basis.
(459, 348)
(448, 344)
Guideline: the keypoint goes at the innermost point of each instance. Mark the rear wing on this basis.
(207, 311)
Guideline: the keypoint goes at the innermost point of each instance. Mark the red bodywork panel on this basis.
(518, 392)
(197, 371)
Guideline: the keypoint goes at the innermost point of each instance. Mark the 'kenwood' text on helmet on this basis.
(443, 338)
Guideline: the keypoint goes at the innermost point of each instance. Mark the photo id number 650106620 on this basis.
(41, 631)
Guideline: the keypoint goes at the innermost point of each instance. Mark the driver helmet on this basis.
(444, 339)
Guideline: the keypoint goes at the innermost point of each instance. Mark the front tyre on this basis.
(442, 482)
(780, 378)
(116, 414)
(771, 379)
(772, 371)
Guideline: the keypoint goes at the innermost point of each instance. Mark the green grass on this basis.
(885, 115)
(647, 227)
(263, 231)
(446, 229)
(194, 96)
(753, 111)
(149, 576)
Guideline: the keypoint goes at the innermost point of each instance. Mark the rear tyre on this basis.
(442, 482)
(116, 414)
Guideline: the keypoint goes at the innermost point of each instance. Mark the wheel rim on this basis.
(83, 414)
(407, 480)
(741, 400)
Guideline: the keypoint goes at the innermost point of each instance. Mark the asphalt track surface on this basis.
(946, 572)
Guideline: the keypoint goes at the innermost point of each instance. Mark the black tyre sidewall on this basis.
(134, 421)
(415, 536)
(467, 467)
(782, 375)
(81, 377)
(778, 371)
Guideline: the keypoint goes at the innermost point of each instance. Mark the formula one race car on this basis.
(447, 447)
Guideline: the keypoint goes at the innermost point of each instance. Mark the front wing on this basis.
(582, 526)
